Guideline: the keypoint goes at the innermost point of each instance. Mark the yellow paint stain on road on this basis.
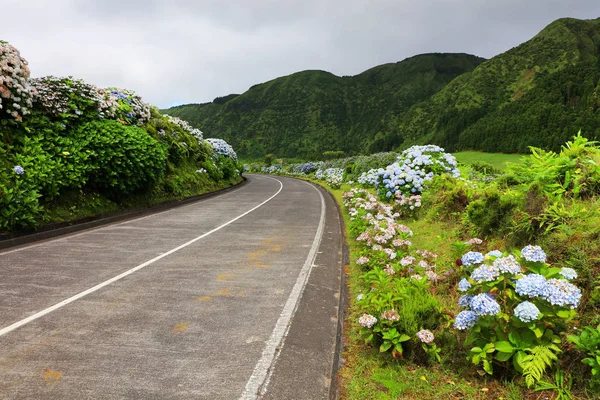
(224, 292)
(242, 293)
(258, 258)
(179, 328)
(203, 298)
(51, 376)
(224, 276)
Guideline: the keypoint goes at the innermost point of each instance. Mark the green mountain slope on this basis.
(539, 93)
(307, 113)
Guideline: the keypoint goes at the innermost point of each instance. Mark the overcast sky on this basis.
(186, 51)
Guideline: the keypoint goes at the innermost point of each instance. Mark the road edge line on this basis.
(259, 379)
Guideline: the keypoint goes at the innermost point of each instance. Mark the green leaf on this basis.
(500, 356)
(487, 367)
(504, 347)
(403, 338)
(385, 346)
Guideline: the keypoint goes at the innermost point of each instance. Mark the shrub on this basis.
(15, 90)
(515, 309)
(123, 158)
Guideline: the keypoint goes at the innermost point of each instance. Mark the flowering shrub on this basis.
(333, 176)
(123, 105)
(15, 90)
(197, 133)
(221, 147)
(66, 98)
(414, 166)
(515, 309)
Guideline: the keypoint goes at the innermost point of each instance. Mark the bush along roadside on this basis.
(69, 150)
(437, 312)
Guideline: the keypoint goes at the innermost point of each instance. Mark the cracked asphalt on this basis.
(191, 322)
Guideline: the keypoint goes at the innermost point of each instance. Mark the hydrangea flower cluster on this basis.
(533, 253)
(568, 273)
(484, 304)
(273, 169)
(15, 91)
(333, 176)
(562, 293)
(527, 312)
(472, 257)
(222, 147)
(18, 170)
(464, 285)
(531, 285)
(507, 265)
(425, 335)
(367, 321)
(465, 320)
(414, 167)
(305, 168)
(494, 253)
(65, 96)
(391, 315)
(485, 273)
(197, 133)
(124, 104)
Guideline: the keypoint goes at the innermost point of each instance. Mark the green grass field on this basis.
(498, 160)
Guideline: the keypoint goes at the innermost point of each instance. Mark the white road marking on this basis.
(261, 375)
(109, 226)
(48, 310)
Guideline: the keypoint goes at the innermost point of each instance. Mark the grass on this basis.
(498, 160)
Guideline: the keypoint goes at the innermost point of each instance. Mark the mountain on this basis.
(537, 94)
(307, 113)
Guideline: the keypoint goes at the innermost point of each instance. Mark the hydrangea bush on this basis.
(197, 133)
(398, 306)
(223, 148)
(409, 173)
(15, 91)
(515, 308)
(124, 105)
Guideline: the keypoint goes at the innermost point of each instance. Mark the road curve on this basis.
(193, 302)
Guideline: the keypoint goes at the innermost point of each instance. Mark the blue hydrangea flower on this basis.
(533, 253)
(532, 285)
(485, 304)
(465, 320)
(560, 292)
(464, 285)
(568, 273)
(485, 273)
(472, 257)
(508, 265)
(527, 312)
(494, 253)
(465, 300)
(19, 170)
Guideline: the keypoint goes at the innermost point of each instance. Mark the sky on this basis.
(185, 51)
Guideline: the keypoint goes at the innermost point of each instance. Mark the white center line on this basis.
(63, 303)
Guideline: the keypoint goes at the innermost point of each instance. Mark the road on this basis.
(224, 298)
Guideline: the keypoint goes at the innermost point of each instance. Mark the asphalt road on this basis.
(213, 300)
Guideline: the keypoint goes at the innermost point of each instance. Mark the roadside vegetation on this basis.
(468, 281)
(70, 150)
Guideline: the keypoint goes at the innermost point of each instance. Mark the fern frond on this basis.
(541, 358)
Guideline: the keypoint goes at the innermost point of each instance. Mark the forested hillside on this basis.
(540, 93)
(310, 112)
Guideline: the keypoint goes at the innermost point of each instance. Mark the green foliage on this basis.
(562, 385)
(311, 112)
(534, 364)
(491, 213)
(332, 155)
(588, 342)
(123, 158)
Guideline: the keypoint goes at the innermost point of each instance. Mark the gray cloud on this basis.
(184, 51)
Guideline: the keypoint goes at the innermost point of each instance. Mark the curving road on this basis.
(225, 298)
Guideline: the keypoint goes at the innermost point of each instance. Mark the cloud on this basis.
(184, 51)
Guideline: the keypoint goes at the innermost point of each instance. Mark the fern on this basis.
(540, 358)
